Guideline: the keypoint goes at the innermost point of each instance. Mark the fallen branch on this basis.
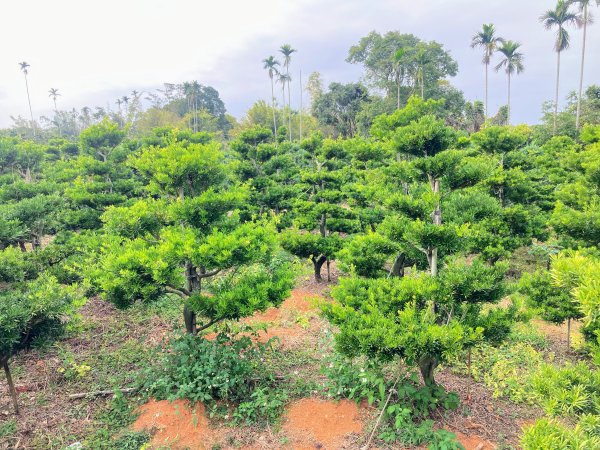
(100, 393)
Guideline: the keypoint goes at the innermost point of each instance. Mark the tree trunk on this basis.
(508, 116)
(189, 317)
(22, 246)
(569, 333)
(287, 71)
(487, 64)
(323, 225)
(273, 106)
(427, 365)
(193, 286)
(556, 93)
(301, 105)
(56, 115)
(328, 271)
(318, 263)
(29, 102)
(585, 19)
(398, 266)
(437, 220)
(11, 386)
(398, 90)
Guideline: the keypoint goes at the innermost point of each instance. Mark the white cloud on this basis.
(94, 51)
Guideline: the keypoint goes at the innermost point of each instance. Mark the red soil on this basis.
(177, 425)
(313, 423)
(301, 300)
(473, 442)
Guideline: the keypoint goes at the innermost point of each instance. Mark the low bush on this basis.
(405, 418)
(203, 370)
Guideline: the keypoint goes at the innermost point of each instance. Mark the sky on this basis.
(95, 51)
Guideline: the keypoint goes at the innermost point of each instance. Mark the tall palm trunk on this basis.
(300, 105)
(508, 116)
(273, 106)
(556, 94)
(287, 71)
(57, 120)
(29, 102)
(397, 90)
(487, 64)
(585, 19)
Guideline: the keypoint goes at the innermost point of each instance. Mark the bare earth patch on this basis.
(318, 424)
(175, 425)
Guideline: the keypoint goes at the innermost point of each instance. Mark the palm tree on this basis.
(270, 64)
(53, 93)
(559, 17)
(586, 18)
(286, 50)
(422, 59)
(487, 39)
(512, 63)
(24, 69)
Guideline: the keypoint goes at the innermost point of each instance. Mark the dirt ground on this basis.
(49, 419)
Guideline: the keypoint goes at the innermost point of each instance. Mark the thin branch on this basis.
(209, 324)
(183, 293)
(208, 274)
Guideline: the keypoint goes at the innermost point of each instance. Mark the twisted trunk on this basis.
(427, 365)
(318, 263)
(398, 266)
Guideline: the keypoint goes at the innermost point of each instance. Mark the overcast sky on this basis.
(96, 51)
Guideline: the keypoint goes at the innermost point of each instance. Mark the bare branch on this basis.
(183, 293)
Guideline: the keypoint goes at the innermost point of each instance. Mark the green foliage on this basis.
(355, 381)
(199, 369)
(571, 390)
(33, 312)
(502, 140)
(15, 265)
(549, 433)
(100, 140)
(426, 136)
(555, 303)
(265, 404)
(405, 417)
(366, 255)
(505, 369)
(339, 106)
(579, 274)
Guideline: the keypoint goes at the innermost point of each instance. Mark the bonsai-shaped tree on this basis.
(184, 237)
(321, 212)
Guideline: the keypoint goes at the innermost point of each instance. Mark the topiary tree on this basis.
(270, 171)
(578, 272)
(554, 303)
(184, 237)
(384, 318)
(421, 317)
(321, 211)
(100, 140)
